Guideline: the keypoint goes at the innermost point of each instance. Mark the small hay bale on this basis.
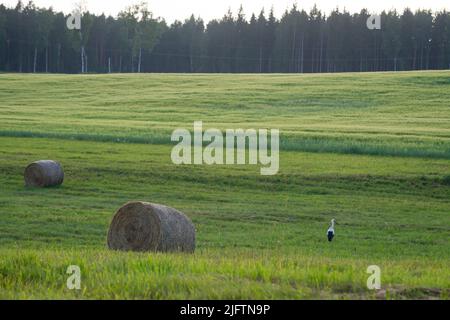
(143, 226)
(44, 173)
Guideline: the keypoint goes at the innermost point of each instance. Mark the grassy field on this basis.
(371, 150)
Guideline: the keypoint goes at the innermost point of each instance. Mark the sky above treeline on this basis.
(172, 10)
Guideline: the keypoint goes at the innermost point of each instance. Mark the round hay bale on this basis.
(44, 173)
(143, 226)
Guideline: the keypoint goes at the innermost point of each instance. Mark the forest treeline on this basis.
(34, 39)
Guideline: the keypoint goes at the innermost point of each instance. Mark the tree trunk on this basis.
(7, 56)
(191, 60)
(35, 60)
(140, 60)
(421, 57)
(20, 62)
(302, 54)
(415, 59)
(321, 52)
(82, 59)
(260, 59)
(360, 62)
(46, 59)
(292, 63)
(58, 59)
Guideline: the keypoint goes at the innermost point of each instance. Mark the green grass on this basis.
(371, 150)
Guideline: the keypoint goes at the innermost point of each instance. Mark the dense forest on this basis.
(36, 39)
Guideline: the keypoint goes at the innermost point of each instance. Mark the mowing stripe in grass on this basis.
(342, 145)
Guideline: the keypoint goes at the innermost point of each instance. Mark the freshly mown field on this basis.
(371, 150)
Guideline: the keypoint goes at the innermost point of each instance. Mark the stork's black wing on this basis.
(330, 235)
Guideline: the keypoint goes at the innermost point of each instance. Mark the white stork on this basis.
(330, 231)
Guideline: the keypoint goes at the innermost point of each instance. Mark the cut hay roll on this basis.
(143, 226)
(44, 173)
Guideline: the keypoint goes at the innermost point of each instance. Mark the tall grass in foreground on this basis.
(212, 274)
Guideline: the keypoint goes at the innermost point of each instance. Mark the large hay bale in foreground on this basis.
(143, 226)
(44, 173)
